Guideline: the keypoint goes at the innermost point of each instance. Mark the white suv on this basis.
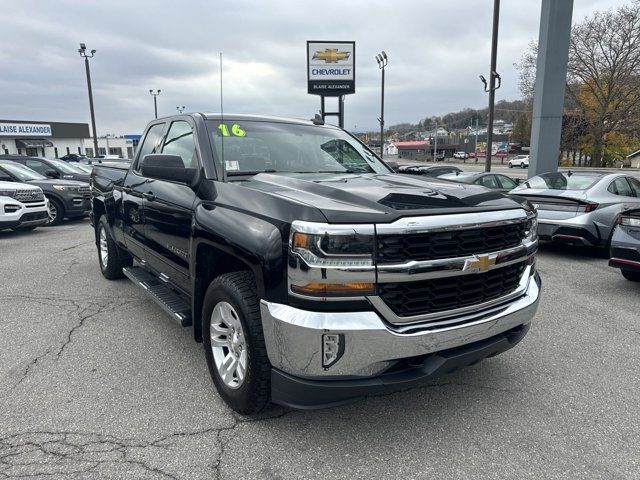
(521, 161)
(22, 206)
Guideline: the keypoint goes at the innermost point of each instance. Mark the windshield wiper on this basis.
(249, 172)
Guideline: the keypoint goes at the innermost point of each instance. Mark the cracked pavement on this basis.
(97, 383)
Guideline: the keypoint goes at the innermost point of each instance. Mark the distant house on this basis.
(633, 159)
(413, 150)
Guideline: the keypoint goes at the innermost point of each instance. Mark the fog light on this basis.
(332, 348)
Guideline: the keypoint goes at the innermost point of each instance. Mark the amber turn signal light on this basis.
(316, 289)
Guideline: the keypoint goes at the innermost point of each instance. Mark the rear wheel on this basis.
(631, 276)
(522, 165)
(234, 343)
(111, 257)
(56, 212)
(510, 165)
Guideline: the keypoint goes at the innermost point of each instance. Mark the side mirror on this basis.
(167, 167)
(51, 173)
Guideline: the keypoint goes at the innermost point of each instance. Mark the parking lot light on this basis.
(83, 53)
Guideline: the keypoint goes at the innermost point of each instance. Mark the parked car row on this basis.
(65, 192)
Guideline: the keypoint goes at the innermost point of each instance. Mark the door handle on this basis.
(149, 196)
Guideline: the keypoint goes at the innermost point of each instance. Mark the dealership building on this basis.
(57, 139)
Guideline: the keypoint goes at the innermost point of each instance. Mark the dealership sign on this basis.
(25, 129)
(331, 68)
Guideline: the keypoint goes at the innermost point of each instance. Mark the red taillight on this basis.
(587, 207)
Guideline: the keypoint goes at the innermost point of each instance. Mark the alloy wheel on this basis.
(228, 345)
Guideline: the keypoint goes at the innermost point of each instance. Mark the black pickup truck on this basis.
(313, 273)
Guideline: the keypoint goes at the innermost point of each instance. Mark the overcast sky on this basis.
(436, 51)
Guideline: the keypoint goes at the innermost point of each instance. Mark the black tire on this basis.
(24, 229)
(239, 290)
(522, 165)
(57, 211)
(117, 259)
(631, 276)
(510, 165)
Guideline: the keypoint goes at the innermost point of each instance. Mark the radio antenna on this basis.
(223, 127)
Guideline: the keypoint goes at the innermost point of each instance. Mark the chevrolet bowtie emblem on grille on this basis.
(480, 263)
(331, 55)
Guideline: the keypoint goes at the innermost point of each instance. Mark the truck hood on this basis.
(344, 198)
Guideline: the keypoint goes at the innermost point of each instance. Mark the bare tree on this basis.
(603, 75)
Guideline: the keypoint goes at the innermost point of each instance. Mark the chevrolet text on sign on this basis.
(331, 68)
(25, 129)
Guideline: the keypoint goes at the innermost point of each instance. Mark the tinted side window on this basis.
(150, 142)
(621, 187)
(38, 166)
(5, 177)
(635, 185)
(506, 182)
(180, 141)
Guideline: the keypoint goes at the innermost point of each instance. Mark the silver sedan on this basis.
(580, 208)
(625, 245)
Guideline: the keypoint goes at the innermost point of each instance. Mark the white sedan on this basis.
(521, 161)
(461, 155)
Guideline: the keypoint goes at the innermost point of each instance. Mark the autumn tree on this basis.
(603, 75)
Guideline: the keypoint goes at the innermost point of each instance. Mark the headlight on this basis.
(7, 193)
(331, 260)
(62, 187)
(531, 230)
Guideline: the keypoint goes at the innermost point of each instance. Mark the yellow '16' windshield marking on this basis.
(236, 130)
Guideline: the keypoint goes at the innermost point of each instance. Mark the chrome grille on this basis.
(407, 299)
(399, 248)
(85, 191)
(29, 195)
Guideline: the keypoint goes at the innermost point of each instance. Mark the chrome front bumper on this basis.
(294, 337)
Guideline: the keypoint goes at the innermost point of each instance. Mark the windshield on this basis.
(253, 146)
(22, 173)
(65, 167)
(561, 181)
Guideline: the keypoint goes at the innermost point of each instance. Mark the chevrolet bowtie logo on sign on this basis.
(331, 68)
(480, 263)
(331, 55)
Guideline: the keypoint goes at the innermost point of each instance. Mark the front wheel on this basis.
(631, 276)
(522, 165)
(56, 212)
(510, 165)
(234, 343)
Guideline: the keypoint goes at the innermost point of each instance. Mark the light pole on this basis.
(382, 60)
(180, 109)
(492, 82)
(155, 100)
(83, 53)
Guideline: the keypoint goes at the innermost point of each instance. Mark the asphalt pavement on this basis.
(96, 382)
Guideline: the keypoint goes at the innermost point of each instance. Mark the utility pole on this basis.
(435, 145)
(155, 100)
(83, 53)
(475, 147)
(382, 60)
(492, 82)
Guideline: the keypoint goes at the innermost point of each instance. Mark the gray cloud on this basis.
(436, 49)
